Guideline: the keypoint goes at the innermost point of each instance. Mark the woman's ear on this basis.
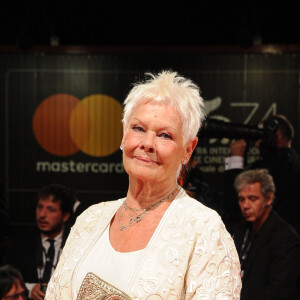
(189, 148)
(122, 141)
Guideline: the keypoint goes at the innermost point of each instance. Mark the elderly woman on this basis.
(157, 243)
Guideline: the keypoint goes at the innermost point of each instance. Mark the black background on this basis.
(121, 22)
(27, 79)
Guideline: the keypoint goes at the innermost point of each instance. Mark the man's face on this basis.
(254, 207)
(49, 216)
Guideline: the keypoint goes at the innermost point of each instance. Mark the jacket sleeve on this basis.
(86, 227)
(55, 285)
(214, 271)
(60, 286)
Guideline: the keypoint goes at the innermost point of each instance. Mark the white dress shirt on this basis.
(46, 245)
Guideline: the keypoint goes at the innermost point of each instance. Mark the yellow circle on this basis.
(95, 125)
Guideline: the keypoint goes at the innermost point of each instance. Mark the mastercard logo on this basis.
(63, 125)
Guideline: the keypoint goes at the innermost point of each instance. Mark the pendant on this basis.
(122, 228)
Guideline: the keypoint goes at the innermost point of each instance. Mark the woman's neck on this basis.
(144, 194)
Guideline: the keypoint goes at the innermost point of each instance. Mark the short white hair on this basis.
(171, 88)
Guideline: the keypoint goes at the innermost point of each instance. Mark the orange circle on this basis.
(51, 124)
(100, 131)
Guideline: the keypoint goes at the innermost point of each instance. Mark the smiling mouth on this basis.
(144, 159)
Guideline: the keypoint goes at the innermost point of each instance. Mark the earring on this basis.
(184, 162)
(121, 148)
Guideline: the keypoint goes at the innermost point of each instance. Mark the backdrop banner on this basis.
(61, 116)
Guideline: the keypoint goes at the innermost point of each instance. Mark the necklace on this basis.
(140, 212)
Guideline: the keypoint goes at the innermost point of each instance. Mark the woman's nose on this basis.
(148, 142)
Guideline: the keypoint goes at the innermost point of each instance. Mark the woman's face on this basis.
(152, 143)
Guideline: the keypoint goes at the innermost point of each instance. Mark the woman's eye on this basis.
(137, 128)
(166, 136)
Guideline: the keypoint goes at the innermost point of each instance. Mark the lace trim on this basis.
(93, 287)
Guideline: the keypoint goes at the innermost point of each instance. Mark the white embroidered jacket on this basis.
(190, 255)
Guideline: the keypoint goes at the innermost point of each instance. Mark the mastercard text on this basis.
(79, 167)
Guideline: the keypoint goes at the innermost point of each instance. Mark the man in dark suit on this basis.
(268, 247)
(36, 254)
(282, 162)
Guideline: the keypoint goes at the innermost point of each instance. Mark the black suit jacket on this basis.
(26, 252)
(272, 265)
